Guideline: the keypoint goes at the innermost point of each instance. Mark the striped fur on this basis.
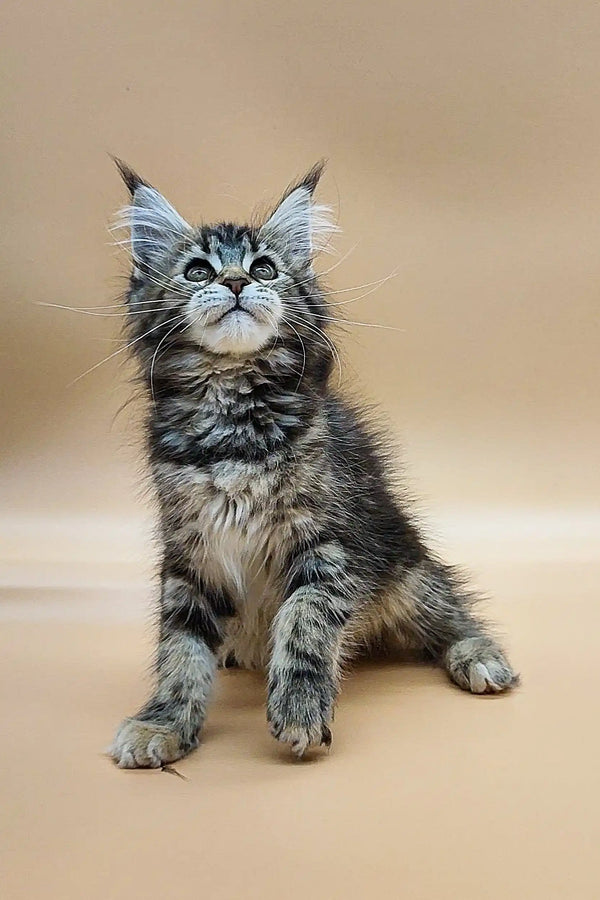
(286, 547)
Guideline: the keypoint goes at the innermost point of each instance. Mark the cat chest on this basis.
(236, 520)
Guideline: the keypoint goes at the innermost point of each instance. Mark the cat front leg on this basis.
(306, 637)
(191, 630)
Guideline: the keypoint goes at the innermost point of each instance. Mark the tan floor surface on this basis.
(427, 792)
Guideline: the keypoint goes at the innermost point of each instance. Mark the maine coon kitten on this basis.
(285, 547)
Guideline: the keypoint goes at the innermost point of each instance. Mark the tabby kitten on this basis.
(284, 544)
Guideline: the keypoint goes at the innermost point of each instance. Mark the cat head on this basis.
(234, 290)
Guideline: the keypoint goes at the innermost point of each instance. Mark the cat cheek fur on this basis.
(287, 545)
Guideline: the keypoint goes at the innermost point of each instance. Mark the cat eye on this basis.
(263, 269)
(199, 270)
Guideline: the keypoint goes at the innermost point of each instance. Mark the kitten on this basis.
(285, 546)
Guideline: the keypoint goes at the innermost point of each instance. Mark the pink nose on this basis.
(236, 285)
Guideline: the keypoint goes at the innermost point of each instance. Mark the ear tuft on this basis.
(313, 176)
(131, 178)
(297, 227)
(154, 226)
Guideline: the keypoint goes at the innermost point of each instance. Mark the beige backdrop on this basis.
(464, 149)
(463, 141)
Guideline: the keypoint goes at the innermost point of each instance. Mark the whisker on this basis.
(342, 321)
(366, 293)
(122, 349)
(298, 302)
(166, 281)
(154, 357)
(303, 351)
(275, 325)
(90, 311)
(377, 284)
(369, 284)
(330, 269)
(328, 342)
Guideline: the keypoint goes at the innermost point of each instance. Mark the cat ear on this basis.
(299, 228)
(154, 225)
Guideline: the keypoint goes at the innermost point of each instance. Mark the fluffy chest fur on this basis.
(237, 521)
(238, 466)
(232, 516)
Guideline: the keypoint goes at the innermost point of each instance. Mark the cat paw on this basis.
(477, 664)
(147, 745)
(299, 715)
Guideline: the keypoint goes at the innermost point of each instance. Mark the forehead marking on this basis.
(221, 252)
(198, 252)
(229, 252)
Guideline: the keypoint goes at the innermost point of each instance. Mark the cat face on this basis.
(232, 289)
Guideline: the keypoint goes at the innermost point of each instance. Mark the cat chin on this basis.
(239, 335)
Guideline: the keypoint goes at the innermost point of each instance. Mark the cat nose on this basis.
(236, 285)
